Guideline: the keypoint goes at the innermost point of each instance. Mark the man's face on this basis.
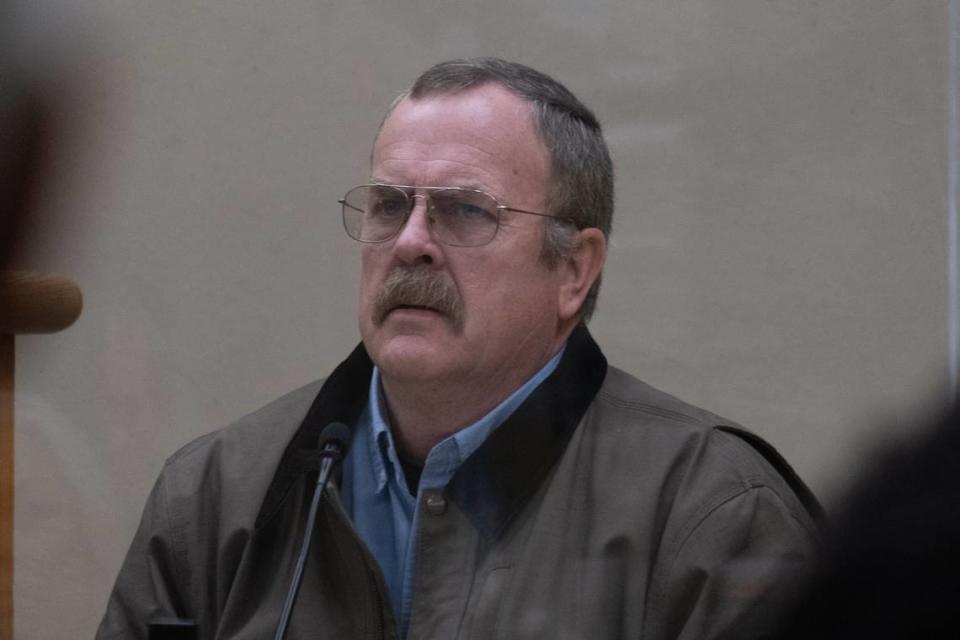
(483, 139)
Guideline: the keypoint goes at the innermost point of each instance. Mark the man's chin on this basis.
(410, 343)
(409, 356)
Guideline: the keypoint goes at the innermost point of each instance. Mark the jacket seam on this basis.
(692, 525)
(177, 549)
(701, 517)
(650, 409)
(754, 480)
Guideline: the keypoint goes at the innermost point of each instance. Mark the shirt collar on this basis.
(383, 455)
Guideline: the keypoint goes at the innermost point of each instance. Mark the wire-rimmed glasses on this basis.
(457, 217)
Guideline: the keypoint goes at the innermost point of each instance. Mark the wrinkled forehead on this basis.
(525, 108)
(482, 130)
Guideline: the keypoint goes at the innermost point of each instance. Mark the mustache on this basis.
(418, 286)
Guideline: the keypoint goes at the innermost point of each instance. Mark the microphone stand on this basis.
(334, 440)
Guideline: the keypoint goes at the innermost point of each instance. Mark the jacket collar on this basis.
(498, 479)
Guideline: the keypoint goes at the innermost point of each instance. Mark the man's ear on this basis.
(580, 270)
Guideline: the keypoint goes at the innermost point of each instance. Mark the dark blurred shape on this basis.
(28, 104)
(892, 557)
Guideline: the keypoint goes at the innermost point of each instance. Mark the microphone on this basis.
(334, 440)
(333, 443)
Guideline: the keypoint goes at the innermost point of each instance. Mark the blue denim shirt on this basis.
(375, 492)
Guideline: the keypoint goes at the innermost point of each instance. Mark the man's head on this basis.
(581, 172)
(486, 313)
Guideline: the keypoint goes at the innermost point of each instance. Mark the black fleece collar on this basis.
(500, 476)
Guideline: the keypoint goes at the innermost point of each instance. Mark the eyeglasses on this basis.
(456, 217)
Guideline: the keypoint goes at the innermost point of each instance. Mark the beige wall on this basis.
(779, 252)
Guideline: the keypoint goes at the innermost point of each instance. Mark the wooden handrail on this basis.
(37, 302)
(29, 303)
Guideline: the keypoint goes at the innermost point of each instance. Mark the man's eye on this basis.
(389, 208)
(467, 210)
(464, 211)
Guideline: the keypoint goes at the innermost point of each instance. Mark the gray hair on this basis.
(581, 186)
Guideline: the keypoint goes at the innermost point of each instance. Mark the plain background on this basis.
(779, 253)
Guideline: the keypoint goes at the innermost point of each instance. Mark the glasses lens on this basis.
(463, 218)
(374, 213)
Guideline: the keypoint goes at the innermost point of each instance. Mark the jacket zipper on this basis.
(377, 598)
(370, 569)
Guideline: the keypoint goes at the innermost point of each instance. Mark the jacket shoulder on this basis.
(235, 464)
(714, 454)
(620, 389)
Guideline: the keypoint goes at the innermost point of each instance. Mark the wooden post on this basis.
(29, 303)
(6, 486)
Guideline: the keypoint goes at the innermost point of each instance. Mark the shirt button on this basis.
(434, 501)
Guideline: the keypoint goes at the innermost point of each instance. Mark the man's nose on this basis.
(415, 244)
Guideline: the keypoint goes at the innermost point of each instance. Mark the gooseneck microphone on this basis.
(333, 446)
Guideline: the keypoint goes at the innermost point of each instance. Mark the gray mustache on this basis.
(418, 286)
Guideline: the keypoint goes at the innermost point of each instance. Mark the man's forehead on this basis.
(485, 110)
(483, 126)
(487, 96)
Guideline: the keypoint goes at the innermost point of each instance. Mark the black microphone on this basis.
(334, 440)
(333, 443)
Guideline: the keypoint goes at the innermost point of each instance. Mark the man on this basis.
(502, 481)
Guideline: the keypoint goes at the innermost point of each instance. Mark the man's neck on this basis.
(424, 413)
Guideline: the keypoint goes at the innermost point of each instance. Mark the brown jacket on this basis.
(601, 509)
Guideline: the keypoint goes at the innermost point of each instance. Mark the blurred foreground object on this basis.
(29, 101)
(892, 560)
(24, 139)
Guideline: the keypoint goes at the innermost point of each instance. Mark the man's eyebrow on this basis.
(468, 186)
(472, 186)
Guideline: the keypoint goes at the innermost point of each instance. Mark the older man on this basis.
(502, 481)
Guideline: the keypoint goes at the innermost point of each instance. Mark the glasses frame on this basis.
(407, 189)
